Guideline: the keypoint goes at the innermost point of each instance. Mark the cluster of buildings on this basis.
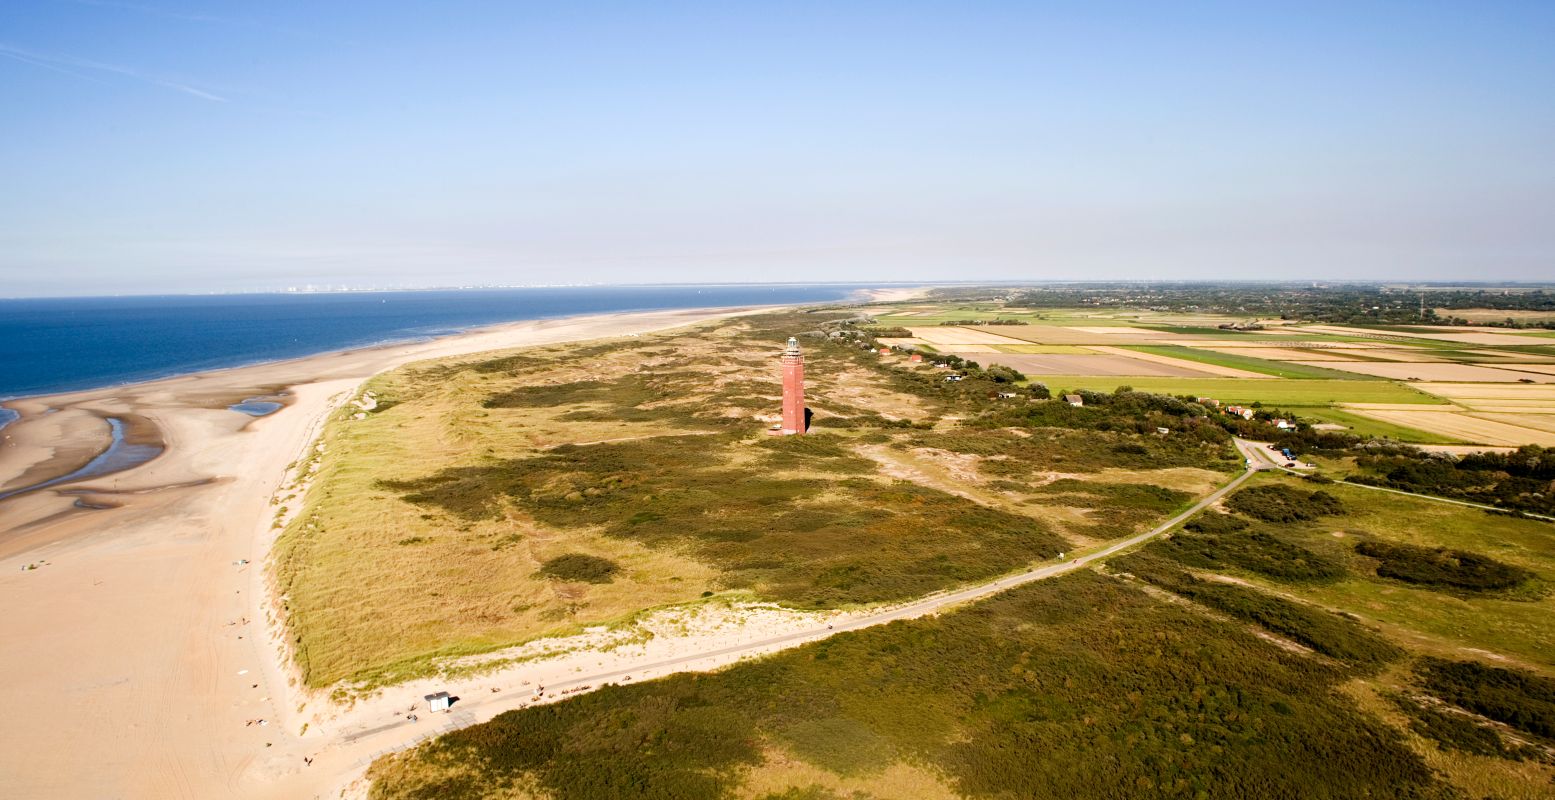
(1244, 412)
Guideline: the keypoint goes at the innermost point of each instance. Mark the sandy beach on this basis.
(136, 651)
(139, 661)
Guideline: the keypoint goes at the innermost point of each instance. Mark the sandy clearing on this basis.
(1100, 365)
(132, 682)
(1181, 363)
(959, 334)
(1464, 427)
(1430, 371)
(1465, 449)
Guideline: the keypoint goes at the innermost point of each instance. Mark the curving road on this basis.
(365, 743)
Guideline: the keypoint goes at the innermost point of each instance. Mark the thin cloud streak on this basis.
(58, 62)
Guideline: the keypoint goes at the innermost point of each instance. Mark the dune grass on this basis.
(458, 516)
(1079, 687)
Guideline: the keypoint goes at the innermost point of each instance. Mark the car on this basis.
(1290, 463)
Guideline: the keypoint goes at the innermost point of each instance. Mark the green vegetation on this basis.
(1079, 687)
(1439, 566)
(805, 541)
(1279, 369)
(1518, 481)
(1518, 698)
(1327, 633)
(1256, 551)
(580, 567)
(1282, 503)
(1453, 730)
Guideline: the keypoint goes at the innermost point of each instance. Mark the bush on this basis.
(1255, 551)
(1520, 699)
(1279, 503)
(581, 568)
(1327, 633)
(1442, 567)
(1079, 687)
(1456, 731)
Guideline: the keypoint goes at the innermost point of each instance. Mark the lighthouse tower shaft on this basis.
(793, 389)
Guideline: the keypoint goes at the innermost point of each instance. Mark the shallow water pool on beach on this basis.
(256, 407)
(8, 416)
(120, 455)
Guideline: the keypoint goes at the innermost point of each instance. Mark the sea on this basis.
(68, 344)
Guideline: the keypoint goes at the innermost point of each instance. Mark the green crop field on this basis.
(1279, 369)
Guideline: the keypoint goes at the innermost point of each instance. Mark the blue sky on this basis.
(174, 146)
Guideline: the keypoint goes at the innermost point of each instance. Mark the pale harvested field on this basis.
(1466, 428)
(1434, 334)
(1054, 334)
(1539, 422)
(902, 342)
(1179, 363)
(1546, 369)
(1305, 344)
(964, 349)
(1431, 372)
(960, 334)
(1100, 365)
(1395, 407)
(1492, 315)
(1521, 391)
(1110, 330)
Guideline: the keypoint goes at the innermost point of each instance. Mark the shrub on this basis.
(1279, 503)
(581, 568)
(1520, 699)
(1456, 731)
(1327, 633)
(1079, 687)
(1440, 566)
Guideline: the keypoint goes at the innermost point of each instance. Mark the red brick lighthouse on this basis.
(793, 389)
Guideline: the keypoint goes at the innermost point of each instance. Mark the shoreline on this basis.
(859, 296)
(144, 613)
(148, 611)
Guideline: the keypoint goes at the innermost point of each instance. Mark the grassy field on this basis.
(491, 500)
(1080, 687)
(1279, 369)
(1304, 639)
(1275, 391)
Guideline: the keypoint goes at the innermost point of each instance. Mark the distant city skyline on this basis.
(166, 146)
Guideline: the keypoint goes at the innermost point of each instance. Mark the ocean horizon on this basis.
(55, 345)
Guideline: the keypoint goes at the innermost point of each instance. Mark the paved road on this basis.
(1264, 455)
(396, 736)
